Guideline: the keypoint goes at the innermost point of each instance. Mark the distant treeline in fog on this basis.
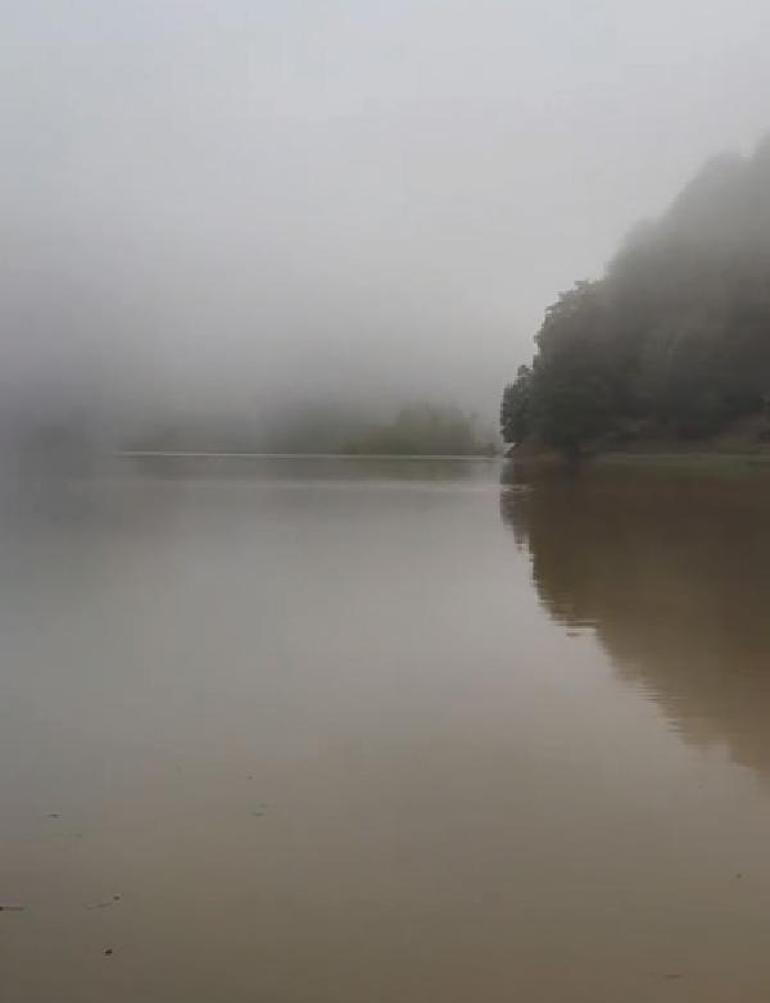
(326, 427)
(674, 341)
(425, 429)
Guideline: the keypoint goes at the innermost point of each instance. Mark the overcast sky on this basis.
(229, 197)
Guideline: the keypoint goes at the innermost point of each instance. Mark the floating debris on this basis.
(103, 905)
(108, 951)
(12, 908)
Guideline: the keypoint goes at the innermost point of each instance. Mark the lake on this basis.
(335, 731)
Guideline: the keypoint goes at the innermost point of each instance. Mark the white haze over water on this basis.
(210, 203)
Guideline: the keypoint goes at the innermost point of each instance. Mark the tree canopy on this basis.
(674, 339)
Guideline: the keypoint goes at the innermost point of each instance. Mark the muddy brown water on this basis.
(338, 731)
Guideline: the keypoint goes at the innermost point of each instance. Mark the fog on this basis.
(223, 204)
(356, 646)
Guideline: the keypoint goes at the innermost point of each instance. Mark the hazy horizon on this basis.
(211, 204)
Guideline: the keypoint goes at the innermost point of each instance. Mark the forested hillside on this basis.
(674, 340)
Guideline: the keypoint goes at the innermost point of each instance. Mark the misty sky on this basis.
(214, 200)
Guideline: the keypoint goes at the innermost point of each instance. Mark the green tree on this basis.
(515, 408)
(675, 339)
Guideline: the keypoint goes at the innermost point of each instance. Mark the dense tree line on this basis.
(674, 340)
(326, 427)
(426, 430)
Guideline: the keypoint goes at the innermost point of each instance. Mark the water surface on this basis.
(329, 731)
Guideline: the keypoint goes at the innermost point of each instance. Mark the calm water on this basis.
(360, 732)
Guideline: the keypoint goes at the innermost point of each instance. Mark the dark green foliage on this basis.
(515, 408)
(675, 339)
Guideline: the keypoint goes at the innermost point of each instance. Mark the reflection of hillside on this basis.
(674, 576)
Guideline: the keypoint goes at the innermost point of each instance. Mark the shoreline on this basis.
(664, 459)
(695, 459)
(206, 454)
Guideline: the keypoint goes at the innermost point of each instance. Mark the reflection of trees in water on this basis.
(673, 573)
